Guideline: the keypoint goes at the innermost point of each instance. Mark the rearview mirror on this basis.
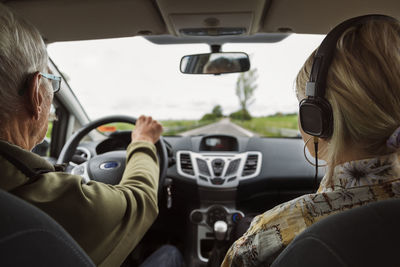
(215, 63)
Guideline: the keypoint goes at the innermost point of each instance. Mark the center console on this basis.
(218, 164)
(207, 220)
(217, 168)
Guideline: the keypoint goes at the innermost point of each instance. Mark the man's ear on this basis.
(33, 97)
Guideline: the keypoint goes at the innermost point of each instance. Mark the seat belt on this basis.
(32, 174)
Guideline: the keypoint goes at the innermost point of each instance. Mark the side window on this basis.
(43, 149)
(52, 118)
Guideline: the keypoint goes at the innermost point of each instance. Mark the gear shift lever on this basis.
(219, 249)
(220, 229)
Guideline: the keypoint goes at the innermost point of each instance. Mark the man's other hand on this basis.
(147, 129)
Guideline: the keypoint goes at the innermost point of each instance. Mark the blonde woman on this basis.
(356, 118)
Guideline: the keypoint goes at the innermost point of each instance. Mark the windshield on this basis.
(132, 76)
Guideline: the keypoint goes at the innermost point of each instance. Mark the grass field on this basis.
(49, 129)
(171, 127)
(271, 125)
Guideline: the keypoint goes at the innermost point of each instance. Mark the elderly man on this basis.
(107, 221)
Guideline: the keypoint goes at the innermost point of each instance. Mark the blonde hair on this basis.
(363, 88)
(22, 52)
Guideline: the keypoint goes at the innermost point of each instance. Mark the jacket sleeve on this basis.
(107, 221)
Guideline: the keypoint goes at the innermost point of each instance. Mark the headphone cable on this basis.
(316, 164)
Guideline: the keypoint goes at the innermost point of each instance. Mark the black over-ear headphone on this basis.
(315, 112)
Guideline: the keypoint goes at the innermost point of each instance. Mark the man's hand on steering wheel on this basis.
(147, 129)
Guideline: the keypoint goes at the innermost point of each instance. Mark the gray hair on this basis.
(22, 52)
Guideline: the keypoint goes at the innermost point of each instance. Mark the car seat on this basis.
(29, 237)
(363, 236)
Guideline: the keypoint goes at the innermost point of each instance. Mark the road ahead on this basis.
(224, 126)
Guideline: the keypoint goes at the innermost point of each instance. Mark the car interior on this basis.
(204, 178)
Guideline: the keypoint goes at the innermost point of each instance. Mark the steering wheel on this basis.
(109, 167)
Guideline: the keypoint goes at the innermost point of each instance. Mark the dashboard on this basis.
(261, 164)
(223, 161)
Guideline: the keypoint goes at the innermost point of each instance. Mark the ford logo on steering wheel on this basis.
(109, 165)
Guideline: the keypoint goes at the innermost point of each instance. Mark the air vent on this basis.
(250, 166)
(186, 164)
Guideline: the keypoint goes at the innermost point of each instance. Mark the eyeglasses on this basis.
(55, 81)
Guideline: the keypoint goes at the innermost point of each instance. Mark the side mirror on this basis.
(215, 63)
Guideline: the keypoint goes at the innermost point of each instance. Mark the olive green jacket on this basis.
(107, 221)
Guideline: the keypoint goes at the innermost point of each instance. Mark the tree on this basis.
(245, 87)
(242, 115)
(217, 111)
(215, 114)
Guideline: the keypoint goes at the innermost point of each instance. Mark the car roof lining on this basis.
(71, 20)
(62, 20)
(319, 17)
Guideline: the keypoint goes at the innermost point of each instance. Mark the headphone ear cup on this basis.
(316, 117)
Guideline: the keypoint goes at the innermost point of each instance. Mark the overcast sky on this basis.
(133, 76)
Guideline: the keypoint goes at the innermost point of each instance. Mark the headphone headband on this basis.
(324, 55)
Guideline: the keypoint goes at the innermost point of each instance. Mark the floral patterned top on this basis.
(354, 184)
